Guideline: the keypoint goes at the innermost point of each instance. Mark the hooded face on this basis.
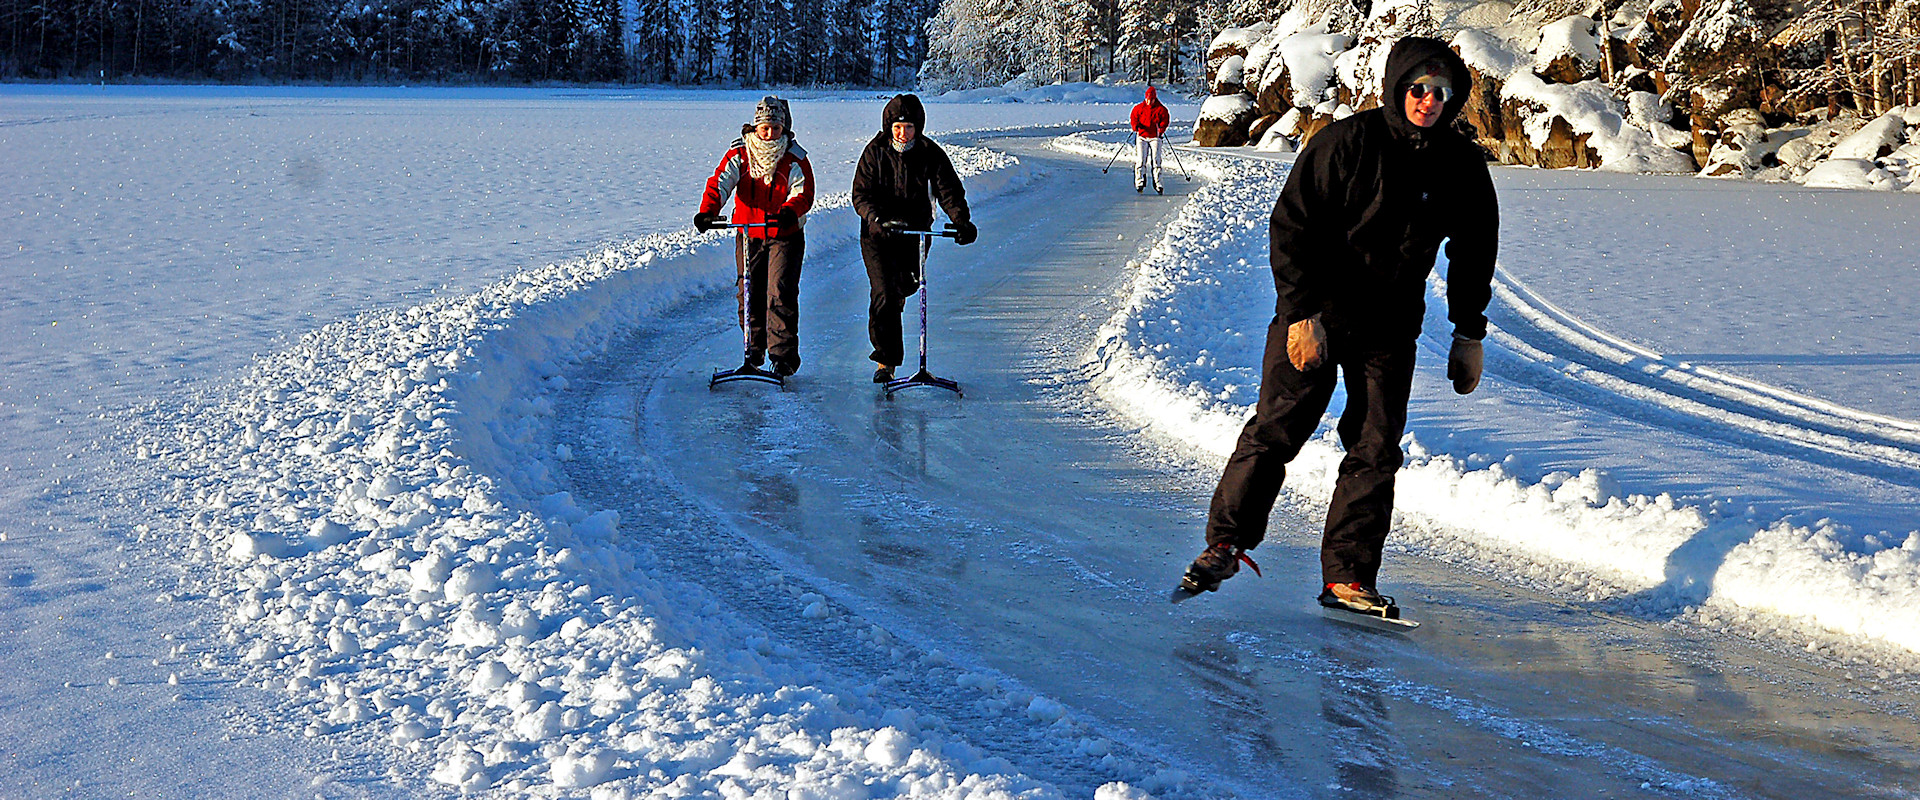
(1153, 98)
(1439, 74)
(904, 108)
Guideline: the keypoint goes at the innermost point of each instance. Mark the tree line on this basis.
(744, 42)
(992, 42)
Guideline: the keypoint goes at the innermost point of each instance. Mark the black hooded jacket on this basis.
(1356, 230)
(891, 185)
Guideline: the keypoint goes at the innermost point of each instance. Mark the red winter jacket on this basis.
(757, 201)
(1149, 117)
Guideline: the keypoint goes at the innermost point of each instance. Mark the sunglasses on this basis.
(1419, 91)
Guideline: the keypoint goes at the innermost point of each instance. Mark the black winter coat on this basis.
(1358, 225)
(890, 185)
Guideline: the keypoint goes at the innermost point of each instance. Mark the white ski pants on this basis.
(1146, 160)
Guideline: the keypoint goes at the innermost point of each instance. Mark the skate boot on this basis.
(1355, 597)
(1215, 564)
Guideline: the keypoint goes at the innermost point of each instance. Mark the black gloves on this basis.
(785, 219)
(1463, 364)
(705, 221)
(964, 232)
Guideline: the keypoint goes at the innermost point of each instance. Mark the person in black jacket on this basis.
(1353, 237)
(891, 194)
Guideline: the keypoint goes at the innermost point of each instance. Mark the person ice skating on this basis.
(1353, 237)
(1149, 120)
(900, 174)
(767, 173)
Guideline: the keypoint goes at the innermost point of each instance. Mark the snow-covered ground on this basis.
(282, 502)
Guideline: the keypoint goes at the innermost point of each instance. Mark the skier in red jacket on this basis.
(768, 175)
(1149, 124)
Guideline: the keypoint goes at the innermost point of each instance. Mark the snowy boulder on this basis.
(1848, 173)
(1232, 45)
(1568, 51)
(1876, 139)
(1273, 141)
(1742, 146)
(1223, 120)
(1231, 77)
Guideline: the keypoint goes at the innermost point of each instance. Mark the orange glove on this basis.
(1306, 343)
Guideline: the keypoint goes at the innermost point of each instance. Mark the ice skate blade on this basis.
(922, 378)
(1387, 617)
(745, 372)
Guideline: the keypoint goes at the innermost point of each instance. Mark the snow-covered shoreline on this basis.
(1192, 383)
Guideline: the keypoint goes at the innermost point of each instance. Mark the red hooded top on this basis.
(756, 201)
(1149, 117)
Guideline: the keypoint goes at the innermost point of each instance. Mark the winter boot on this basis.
(1216, 563)
(1157, 189)
(785, 368)
(1354, 597)
(1139, 188)
(882, 373)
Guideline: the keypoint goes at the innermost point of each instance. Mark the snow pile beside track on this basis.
(1182, 352)
(377, 518)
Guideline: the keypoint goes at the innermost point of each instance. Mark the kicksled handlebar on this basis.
(949, 233)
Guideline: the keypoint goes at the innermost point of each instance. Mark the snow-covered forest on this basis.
(991, 42)
(750, 42)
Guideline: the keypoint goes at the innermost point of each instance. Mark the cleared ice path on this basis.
(1025, 534)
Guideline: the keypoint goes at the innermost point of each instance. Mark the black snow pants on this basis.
(893, 275)
(773, 312)
(1379, 378)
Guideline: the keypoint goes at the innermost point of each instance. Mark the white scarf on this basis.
(762, 155)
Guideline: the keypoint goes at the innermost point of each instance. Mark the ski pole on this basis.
(1177, 162)
(1116, 157)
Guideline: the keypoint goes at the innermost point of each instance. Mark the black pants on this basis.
(1379, 379)
(773, 312)
(893, 275)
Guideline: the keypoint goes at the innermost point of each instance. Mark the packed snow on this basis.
(324, 393)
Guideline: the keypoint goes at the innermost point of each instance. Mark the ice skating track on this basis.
(962, 557)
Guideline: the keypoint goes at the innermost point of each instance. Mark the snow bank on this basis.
(1181, 355)
(375, 513)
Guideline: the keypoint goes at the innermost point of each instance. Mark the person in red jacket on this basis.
(768, 175)
(1149, 124)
